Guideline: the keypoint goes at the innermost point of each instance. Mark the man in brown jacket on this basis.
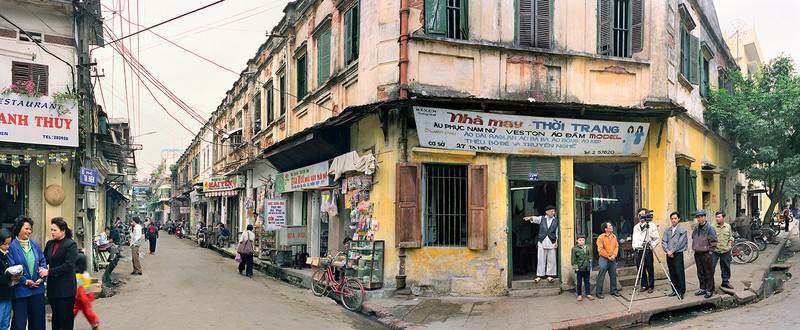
(607, 249)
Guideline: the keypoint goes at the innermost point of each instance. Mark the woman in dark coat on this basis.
(28, 303)
(6, 289)
(61, 253)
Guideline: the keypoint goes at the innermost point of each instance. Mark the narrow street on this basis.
(186, 287)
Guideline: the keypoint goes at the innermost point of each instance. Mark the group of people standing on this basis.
(711, 244)
(22, 290)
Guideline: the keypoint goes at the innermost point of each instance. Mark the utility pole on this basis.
(84, 87)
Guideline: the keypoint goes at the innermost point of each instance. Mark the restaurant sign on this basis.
(220, 183)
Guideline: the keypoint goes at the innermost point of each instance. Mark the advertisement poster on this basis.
(509, 134)
(38, 120)
(275, 211)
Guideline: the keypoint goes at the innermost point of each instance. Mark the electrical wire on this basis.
(167, 21)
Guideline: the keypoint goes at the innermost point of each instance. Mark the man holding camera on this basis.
(642, 231)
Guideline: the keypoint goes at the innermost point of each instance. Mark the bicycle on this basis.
(744, 251)
(350, 290)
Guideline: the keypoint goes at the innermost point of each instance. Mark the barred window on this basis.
(445, 205)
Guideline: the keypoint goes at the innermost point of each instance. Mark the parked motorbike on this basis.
(202, 238)
(179, 232)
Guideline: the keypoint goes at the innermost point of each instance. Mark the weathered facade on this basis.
(477, 114)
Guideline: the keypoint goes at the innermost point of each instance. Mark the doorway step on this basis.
(529, 288)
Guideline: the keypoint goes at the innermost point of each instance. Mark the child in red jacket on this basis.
(84, 296)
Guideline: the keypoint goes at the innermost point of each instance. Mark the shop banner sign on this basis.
(275, 210)
(220, 183)
(38, 120)
(508, 134)
(291, 236)
(312, 176)
(184, 210)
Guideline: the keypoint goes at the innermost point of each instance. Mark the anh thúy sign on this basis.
(38, 120)
(509, 134)
(220, 183)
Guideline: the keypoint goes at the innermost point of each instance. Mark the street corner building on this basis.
(60, 154)
(427, 136)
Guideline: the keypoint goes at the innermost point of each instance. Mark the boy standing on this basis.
(582, 266)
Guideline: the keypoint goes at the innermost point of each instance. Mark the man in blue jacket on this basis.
(675, 242)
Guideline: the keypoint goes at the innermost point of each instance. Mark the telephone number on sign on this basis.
(599, 152)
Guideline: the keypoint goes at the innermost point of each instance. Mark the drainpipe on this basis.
(404, 11)
(403, 63)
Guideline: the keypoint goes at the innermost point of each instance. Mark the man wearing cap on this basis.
(641, 231)
(704, 240)
(548, 242)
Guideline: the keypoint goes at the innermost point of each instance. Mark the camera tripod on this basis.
(648, 246)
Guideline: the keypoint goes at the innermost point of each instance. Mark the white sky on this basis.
(775, 23)
(229, 34)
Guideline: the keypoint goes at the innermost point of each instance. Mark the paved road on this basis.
(776, 312)
(186, 287)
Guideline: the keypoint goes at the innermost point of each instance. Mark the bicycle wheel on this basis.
(742, 253)
(352, 294)
(755, 250)
(319, 284)
(771, 231)
(760, 243)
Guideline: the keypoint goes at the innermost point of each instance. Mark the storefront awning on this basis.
(224, 193)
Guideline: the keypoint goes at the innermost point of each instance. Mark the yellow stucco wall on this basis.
(54, 176)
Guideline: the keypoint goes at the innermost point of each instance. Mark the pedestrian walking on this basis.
(6, 281)
(641, 231)
(722, 253)
(787, 214)
(28, 303)
(136, 241)
(704, 240)
(607, 250)
(548, 243)
(246, 251)
(60, 253)
(83, 295)
(152, 236)
(582, 265)
(674, 243)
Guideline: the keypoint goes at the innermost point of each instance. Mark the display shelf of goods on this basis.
(365, 260)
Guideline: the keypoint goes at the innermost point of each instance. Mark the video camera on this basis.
(647, 216)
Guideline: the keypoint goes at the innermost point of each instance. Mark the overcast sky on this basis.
(229, 34)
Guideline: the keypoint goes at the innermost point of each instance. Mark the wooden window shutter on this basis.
(464, 17)
(525, 23)
(348, 36)
(20, 72)
(39, 76)
(692, 185)
(682, 192)
(637, 25)
(435, 17)
(605, 19)
(694, 58)
(478, 219)
(324, 57)
(543, 34)
(408, 219)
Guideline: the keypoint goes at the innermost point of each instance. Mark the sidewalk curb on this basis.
(383, 316)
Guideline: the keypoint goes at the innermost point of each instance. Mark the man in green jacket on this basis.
(722, 253)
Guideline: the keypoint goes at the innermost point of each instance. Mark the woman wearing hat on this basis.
(548, 243)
